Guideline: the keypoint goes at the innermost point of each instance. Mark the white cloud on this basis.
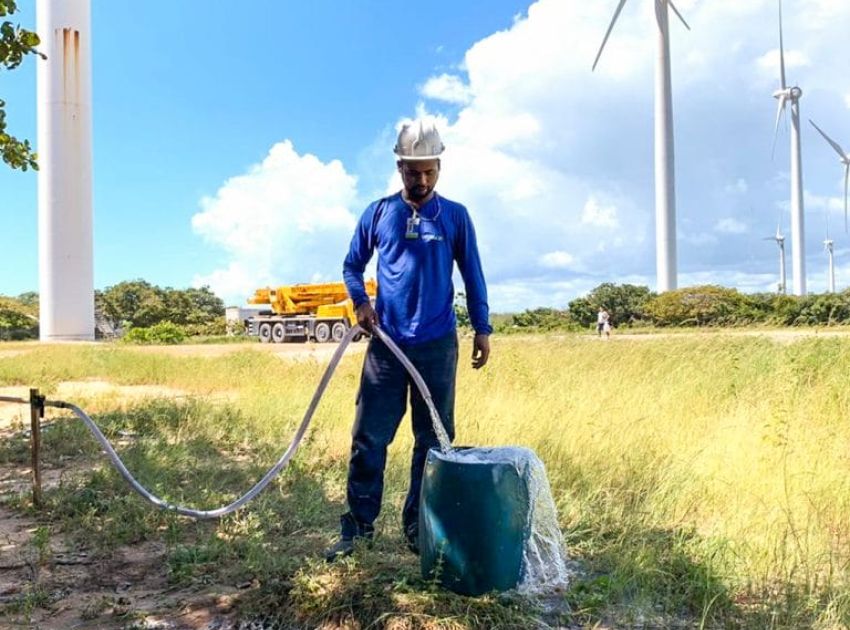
(288, 219)
(819, 202)
(447, 87)
(550, 157)
(555, 162)
(557, 260)
(601, 216)
(699, 239)
(769, 62)
(729, 225)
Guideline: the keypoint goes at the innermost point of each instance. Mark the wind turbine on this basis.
(784, 95)
(845, 159)
(780, 240)
(827, 244)
(665, 185)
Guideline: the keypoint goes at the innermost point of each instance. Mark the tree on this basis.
(624, 302)
(135, 302)
(142, 304)
(15, 44)
(707, 305)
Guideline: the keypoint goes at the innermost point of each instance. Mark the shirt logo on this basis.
(432, 237)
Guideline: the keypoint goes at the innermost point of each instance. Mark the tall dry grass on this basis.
(711, 473)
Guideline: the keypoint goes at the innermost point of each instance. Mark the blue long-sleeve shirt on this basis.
(415, 301)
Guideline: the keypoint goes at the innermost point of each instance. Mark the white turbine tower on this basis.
(780, 240)
(845, 160)
(665, 184)
(66, 271)
(784, 95)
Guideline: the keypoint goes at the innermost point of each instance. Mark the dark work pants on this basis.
(381, 402)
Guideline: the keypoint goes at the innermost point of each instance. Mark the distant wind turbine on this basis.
(827, 247)
(827, 244)
(845, 159)
(665, 185)
(784, 95)
(780, 240)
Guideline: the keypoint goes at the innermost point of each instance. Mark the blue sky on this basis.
(236, 146)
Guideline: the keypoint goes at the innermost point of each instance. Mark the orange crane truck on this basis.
(304, 312)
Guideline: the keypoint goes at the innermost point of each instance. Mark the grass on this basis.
(700, 480)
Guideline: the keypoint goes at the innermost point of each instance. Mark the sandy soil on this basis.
(80, 590)
(53, 586)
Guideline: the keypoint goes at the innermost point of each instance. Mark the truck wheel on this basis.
(338, 331)
(322, 332)
(278, 333)
(265, 332)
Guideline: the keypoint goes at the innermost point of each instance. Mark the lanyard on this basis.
(412, 228)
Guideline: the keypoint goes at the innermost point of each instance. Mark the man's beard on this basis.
(418, 193)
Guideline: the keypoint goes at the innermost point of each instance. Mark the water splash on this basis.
(544, 559)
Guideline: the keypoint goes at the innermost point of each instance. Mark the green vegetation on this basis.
(704, 306)
(139, 304)
(161, 333)
(703, 481)
(18, 317)
(16, 44)
(153, 313)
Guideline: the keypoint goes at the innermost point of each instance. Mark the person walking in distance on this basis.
(602, 319)
(418, 235)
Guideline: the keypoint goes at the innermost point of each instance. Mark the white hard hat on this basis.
(419, 140)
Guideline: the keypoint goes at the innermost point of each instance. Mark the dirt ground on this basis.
(130, 589)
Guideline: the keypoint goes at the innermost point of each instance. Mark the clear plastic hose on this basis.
(439, 429)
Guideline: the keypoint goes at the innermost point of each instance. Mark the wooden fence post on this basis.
(36, 414)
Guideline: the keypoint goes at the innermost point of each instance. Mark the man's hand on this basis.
(367, 317)
(480, 351)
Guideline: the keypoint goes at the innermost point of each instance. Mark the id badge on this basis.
(412, 230)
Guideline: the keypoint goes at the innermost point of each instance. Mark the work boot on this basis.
(411, 533)
(352, 533)
(344, 547)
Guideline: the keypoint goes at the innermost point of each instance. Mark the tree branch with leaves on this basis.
(16, 44)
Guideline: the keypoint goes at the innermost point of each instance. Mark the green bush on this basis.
(142, 304)
(212, 328)
(18, 320)
(625, 303)
(707, 305)
(165, 333)
(542, 319)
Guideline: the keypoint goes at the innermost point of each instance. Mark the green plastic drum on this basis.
(473, 518)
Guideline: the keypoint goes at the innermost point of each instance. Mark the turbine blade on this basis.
(846, 181)
(781, 50)
(779, 111)
(608, 33)
(832, 142)
(676, 11)
(827, 223)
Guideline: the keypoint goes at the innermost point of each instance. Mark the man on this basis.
(602, 318)
(418, 236)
